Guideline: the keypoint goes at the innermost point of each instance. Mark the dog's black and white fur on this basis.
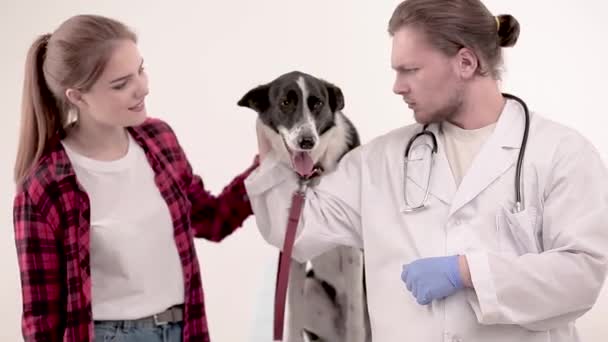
(300, 113)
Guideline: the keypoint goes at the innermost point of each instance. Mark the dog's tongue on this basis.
(302, 163)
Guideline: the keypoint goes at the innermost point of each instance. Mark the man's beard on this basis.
(451, 109)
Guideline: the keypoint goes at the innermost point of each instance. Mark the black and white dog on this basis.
(302, 115)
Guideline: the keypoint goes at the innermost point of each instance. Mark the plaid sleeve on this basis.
(215, 217)
(40, 272)
(212, 217)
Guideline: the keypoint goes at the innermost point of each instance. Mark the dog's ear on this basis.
(256, 99)
(336, 99)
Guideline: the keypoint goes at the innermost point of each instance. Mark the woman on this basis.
(107, 204)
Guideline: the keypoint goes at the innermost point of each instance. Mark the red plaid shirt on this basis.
(52, 222)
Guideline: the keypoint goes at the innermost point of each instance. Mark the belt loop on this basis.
(159, 322)
(126, 325)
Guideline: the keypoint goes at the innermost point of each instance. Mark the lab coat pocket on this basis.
(517, 232)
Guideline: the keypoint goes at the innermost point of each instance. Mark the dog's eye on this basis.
(285, 103)
(317, 105)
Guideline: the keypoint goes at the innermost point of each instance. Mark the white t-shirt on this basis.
(135, 266)
(462, 145)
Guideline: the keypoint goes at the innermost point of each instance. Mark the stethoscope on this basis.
(519, 205)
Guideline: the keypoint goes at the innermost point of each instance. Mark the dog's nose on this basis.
(306, 142)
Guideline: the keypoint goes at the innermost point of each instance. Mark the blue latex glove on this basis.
(432, 278)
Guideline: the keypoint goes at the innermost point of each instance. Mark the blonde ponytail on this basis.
(40, 114)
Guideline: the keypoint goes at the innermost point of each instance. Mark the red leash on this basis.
(297, 203)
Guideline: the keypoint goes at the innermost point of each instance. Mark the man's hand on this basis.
(436, 278)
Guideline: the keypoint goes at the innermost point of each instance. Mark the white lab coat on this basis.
(534, 272)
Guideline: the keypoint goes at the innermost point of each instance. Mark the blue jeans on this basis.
(129, 331)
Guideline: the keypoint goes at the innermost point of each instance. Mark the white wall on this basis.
(203, 55)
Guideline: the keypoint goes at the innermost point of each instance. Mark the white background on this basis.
(202, 56)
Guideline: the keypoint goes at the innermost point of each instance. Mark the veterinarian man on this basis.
(491, 254)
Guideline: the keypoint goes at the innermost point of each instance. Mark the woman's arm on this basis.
(38, 255)
(215, 217)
